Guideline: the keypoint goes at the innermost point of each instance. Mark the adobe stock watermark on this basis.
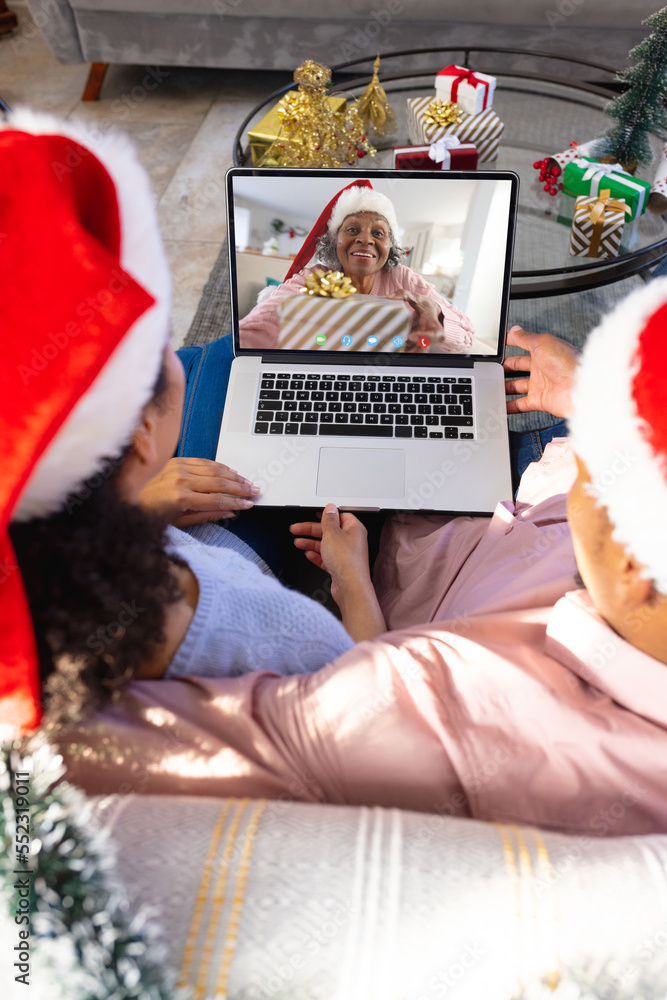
(223, 7)
(448, 979)
(450, 466)
(309, 946)
(107, 635)
(366, 36)
(621, 463)
(564, 10)
(265, 475)
(59, 340)
(39, 19)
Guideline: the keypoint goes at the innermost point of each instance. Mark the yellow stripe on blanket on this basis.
(212, 938)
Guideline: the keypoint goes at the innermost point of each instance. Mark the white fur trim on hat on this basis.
(101, 424)
(363, 199)
(628, 478)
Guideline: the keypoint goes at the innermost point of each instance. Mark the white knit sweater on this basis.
(245, 619)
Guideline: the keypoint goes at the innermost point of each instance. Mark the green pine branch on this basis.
(641, 108)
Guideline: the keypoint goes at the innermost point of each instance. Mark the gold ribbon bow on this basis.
(596, 214)
(443, 113)
(329, 285)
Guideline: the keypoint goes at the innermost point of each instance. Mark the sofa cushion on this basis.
(618, 13)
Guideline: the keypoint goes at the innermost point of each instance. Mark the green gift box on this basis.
(588, 177)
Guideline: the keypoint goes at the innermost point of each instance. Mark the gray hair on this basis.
(326, 252)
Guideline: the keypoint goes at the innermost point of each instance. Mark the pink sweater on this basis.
(260, 328)
(514, 701)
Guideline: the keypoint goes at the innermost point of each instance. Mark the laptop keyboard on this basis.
(343, 405)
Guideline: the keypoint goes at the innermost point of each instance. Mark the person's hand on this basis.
(426, 321)
(196, 491)
(551, 364)
(338, 544)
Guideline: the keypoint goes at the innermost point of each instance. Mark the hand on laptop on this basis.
(551, 364)
(338, 545)
(196, 491)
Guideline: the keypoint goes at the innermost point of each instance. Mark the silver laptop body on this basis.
(287, 422)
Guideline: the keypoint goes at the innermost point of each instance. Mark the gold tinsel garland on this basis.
(443, 113)
(313, 135)
(374, 108)
(329, 284)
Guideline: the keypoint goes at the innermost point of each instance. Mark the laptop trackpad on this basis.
(361, 472)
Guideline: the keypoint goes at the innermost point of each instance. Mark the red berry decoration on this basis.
(553, 191)
(360, 153)
(547, 186)
(537, 164)
(554, 171)
(560, 187)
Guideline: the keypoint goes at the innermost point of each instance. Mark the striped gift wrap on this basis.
(484, 130)
(601, 239)
(303, 317)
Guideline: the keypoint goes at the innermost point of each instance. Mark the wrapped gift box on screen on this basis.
(597, 225)
(425, 117)
(448, 153)
(303, 318)
(267, 130)
(587, 177)
(471, 91)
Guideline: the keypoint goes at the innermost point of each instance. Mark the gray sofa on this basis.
(266, 34)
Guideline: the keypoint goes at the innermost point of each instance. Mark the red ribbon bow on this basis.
(464, 75)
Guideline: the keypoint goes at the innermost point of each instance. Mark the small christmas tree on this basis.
(641, 109)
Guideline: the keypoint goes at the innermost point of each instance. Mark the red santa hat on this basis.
(359, 196)
(619, 426)
(84, 320)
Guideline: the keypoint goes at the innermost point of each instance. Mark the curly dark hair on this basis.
(98, 581)
(326, 252)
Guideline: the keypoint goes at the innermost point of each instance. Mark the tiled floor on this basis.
(183, 122)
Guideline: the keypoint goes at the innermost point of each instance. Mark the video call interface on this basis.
(428, 281)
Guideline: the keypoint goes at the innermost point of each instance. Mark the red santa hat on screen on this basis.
(359, 196)
(619, 426)
(84, 320)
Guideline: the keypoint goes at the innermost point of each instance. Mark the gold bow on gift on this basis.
(443, 113)
(329, 285)
(596, 214)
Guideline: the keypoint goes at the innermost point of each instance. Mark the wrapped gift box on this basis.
(266, 131)
(471, 91)
(303, 317)
(464, 156)
(585, 176)
(597, 226)
(573, 152)
(551, 167)
(484, 131)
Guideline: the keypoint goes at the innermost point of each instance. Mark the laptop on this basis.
(344, 400)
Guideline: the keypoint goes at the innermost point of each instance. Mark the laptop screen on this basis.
(405, 263)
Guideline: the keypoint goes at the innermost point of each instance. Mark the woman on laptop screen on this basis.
(357, 295)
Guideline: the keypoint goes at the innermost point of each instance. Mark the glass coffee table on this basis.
(542, 113)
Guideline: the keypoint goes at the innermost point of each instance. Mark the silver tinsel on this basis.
(82, 944)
